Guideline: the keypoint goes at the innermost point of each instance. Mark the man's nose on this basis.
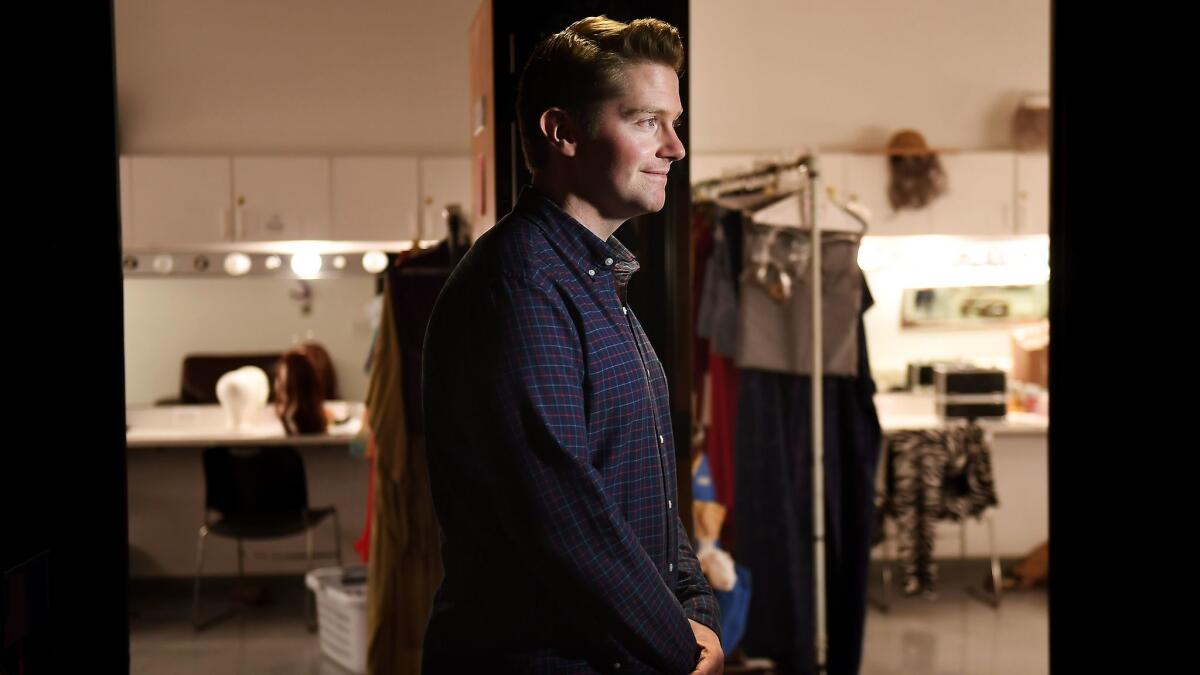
(673, 148)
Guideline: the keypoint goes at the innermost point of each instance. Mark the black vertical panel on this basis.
(63, 535)
(660, 292)
(1121, 304)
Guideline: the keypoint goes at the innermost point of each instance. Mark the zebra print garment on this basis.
(932, 475)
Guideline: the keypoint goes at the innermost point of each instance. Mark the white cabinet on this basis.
(374, 198)
(177, 201)
(1033, 193)
(978, 200)
(279, 198)
(979, 195)
(444, 180)
(831, 174)
(125, 178)
(866, 178)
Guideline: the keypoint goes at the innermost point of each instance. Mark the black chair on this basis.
(259, 493)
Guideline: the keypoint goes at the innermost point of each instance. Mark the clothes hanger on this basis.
(835, 217)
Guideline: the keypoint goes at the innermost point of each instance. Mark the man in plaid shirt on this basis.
(551, 459)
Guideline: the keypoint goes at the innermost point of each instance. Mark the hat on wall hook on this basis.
(916, 173)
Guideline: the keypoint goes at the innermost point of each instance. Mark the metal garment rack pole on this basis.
(806, 166)
(808, 216)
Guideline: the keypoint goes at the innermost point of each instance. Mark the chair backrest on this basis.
(256, 480)
(198, 383)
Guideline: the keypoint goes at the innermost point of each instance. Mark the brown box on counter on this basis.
(1031, 354)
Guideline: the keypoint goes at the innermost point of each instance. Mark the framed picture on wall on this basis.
(974, 306)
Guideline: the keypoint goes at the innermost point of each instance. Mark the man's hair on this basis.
(582, 66)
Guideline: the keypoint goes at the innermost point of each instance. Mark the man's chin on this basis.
(653, 203)
(642, 204)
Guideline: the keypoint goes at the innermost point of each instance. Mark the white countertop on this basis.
(903, 410)
(207, 425)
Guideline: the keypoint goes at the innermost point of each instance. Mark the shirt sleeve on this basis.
(692, 589)
(548, 496)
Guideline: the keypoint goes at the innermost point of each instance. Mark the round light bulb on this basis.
(339, 262)
(273, 262)
(306, 265)
(163, 264)
(374, 261)
(237, 264)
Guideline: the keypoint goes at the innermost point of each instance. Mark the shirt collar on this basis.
(576, 240)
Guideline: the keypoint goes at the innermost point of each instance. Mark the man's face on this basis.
(624, 166)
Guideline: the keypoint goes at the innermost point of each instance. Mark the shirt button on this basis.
(661, 439)
(671, 567)
(625, 310)
(668, 503)
(617, 665)
(591, 273)
(608, 261)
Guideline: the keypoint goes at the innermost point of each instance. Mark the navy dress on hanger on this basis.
(773, 478)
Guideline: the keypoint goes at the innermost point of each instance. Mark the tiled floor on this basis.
(957, 634)
(952, 635)
(269, 639)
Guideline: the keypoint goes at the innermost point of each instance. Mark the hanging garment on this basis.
(773, 470)
(708, 516)
(719, 441)
(716, 319)
(405, 564)
(933, 475)
(363, 544)
(775, 305)
(717, 312)
(703, 226)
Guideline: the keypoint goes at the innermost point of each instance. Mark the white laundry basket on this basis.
(341, 616)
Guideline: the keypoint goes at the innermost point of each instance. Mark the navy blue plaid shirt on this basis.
(552, 463)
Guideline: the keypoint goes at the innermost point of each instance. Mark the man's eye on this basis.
(649, 123)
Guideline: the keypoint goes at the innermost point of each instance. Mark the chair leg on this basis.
(309, 610)
(885, 603)
(337, 537)
(997, 580)
(962, 552)
(199, 569)
(992, 598)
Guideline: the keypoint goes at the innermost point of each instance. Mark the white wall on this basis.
(292, 76)
(772, 75)
(378, 76)
(390, 76)
(166, 319)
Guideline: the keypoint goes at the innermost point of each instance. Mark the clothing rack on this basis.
(769, 176)
(770, 171)
(807, 205)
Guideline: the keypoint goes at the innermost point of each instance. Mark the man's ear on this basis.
(560, 131)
